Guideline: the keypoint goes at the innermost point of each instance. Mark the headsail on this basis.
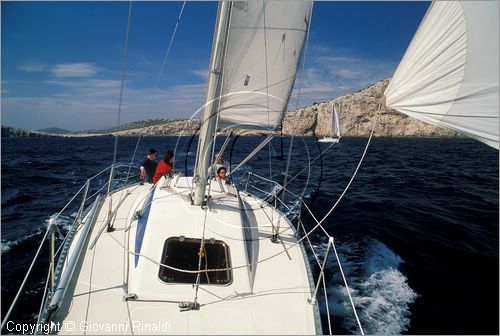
(263, 50)
(449, 74)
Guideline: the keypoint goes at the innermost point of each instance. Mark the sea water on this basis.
(416, 232)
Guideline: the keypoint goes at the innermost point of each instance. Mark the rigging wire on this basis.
(187, 151)
(122, 85)
(252, 154)
(118, 119)
(285, 250)
(231, 151)
(9, 312)
(299, 91)
(270, 160)
(297, 103)
(155, 90)
(319, 224)
(120, 105)
(319, 156)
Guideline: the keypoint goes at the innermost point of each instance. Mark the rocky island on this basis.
(357, 113)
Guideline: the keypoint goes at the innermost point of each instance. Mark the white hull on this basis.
(273, 299)
(329, 140)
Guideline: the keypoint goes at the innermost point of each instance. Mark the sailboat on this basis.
(335, 133)
(196, 255)
(190, 254)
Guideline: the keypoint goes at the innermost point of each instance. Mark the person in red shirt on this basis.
(164, 166)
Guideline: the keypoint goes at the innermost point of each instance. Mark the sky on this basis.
(61, 62)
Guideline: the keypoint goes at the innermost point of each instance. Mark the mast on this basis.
(209, 122)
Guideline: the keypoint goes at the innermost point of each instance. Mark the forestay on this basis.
(263, 51)
(449, 74)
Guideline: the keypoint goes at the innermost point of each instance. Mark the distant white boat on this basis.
(334, 137)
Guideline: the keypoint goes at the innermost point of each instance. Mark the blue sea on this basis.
(417, 232)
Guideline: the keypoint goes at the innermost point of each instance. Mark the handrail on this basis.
(53, 301)
(331, 244)
(75, 257)
(83, 190)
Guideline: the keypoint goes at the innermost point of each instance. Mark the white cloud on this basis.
(87, 103)
(331, 73)
(82, 101)
(89, 85)
(32, 67)
(179, 101)
(74, 70)
(200, 73)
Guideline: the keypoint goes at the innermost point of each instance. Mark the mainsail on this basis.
(449, 75)
(335, 124)
(264, 46)
(255, 56)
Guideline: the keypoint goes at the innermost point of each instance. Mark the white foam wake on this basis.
(379, 290)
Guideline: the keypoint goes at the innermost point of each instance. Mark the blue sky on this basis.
(61, 61)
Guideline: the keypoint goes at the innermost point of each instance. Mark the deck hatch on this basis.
(182, 253)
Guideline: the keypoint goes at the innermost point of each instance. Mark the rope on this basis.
(224, 145)
(45, 291)
(14, 302)
(353, 176)
(285, 250)
(299, 91)
(155, 90)
(201, 253)
(332, 144)
(306, 236)
(319, 224)
(347, 289)
(219, 155)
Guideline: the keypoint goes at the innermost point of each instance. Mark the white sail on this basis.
(335, 124)
(334, 136)
(263, 51)
(449, 75)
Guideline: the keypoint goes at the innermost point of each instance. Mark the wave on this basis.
(379, 290)
(15, 197)
(63, 222)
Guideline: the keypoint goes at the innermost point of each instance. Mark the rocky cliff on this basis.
(357, 111)
(173, 127)
(11, 132)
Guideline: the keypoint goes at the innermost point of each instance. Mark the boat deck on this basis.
(269, 297)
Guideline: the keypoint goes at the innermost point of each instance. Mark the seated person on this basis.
(164, 166)
(148, 166)
(221, 174)
(219, 162)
